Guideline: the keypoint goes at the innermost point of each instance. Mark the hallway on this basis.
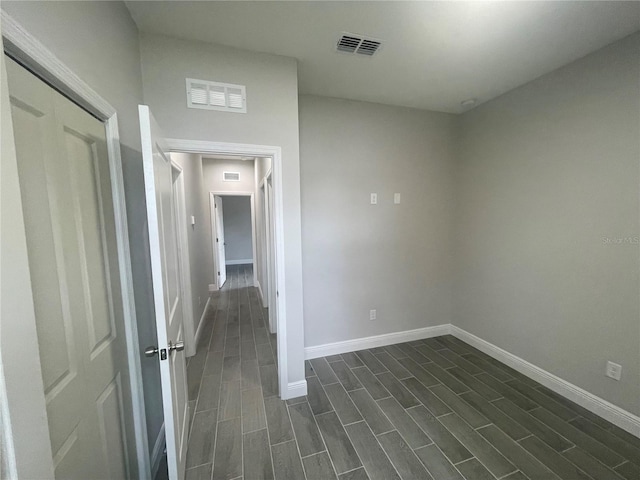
(234, 368)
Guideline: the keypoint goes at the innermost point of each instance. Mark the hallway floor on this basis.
(430, 409)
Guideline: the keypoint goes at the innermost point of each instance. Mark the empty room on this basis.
(348, 240)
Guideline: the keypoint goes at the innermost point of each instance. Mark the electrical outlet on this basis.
(372, 314)
(613, 370)
(396, 198)
(374, 198)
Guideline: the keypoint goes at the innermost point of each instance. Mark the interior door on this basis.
(273, 279)
(167, 289)
(65, 185)
(221, 257)
(264, 250)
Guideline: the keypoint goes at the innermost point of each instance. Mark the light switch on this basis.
(374, 198)
(396, 198)
(193, 220)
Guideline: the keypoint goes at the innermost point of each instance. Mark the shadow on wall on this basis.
(141, 272)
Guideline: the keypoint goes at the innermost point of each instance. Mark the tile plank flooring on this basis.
(429, 409)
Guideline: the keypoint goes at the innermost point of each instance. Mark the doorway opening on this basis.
(231, 228)
(233, 235)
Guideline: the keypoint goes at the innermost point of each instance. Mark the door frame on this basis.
(214, 242)
(31, 53)
(185, 268)
(264, 245)
(267, 181)
(229, 193)
(275, 153)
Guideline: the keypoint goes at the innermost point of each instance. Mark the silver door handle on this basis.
(177, 347)
(151, 351)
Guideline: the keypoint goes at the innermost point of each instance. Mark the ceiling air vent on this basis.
(350, 43)
(216, 96)
(231, 176)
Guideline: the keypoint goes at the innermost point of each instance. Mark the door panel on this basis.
(65, 186)
(167, 288)
(273, 280)
(221, 257)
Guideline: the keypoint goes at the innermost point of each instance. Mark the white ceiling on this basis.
(434, 54)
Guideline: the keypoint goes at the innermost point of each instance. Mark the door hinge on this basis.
(216, 240)
(163, 354)
(218, 273)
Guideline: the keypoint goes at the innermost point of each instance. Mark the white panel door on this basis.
(167, 289)
(221, 255)
(65, 187)
(273, 279)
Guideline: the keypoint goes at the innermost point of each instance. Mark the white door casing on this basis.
(183, 257)
(286, 389)
(70, 225)
(264, 270)
(218, 239)
(168, 290)
(273, 278)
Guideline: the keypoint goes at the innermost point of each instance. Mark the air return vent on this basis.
(231, 176)
(351, 43)
(216, 96)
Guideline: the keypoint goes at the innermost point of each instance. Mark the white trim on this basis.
(185, 265)
(201, 321)
(158, 452)
(614, 414)
(214, 240)
(271, 254)
(239, 262)
(297, 389)
(34, 55)
(385, 339)
(19, 43)
(199, 146)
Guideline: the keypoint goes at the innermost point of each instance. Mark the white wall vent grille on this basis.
(351, 43)
(231, 176)
(224, 97)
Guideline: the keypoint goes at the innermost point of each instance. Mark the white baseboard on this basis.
(346, 346)
(244, 261)
(610, 412)
(614, 414)
(157, 452)
(295, 390)
(201, 322)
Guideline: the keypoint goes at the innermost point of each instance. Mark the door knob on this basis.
(150, 351)
(177, 347)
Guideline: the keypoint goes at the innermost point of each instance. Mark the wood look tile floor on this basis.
(429, 409)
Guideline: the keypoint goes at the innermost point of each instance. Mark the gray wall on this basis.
(546, 174)
(237, 228)
(271, 119)
(99, 42)
(198, 235)
(213, 169)
(357, 256)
